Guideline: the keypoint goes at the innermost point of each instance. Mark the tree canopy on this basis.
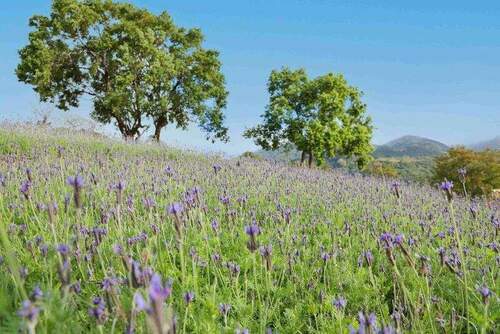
(474, 173)
(321, 117)
(139, 69)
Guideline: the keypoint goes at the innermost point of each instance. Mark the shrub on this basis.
(475, 173)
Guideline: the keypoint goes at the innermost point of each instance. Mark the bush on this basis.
(381, 168)
(474, 173)
(251, 155)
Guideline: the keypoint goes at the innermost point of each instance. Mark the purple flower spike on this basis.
(75, 181)
(340, 303)
(462, 172)
(224, 309)
(36, 294)
(485, 292)
(63, 249)
(215, 225)
(387, 240)
(98, 310)
(447, 187)
(189, 297)
(372, 320)
(252, 230)
(139, 302)
(25, 189)
(157, 291)
(175, 208)
(29, 311)
(121, 185)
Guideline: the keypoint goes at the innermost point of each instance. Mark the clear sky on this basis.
(428, 68)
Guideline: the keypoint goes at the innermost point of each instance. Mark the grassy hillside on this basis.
(412, 157)
(97, 236)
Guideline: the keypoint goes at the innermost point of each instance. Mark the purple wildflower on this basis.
(157, 291)
(395, 189)
(485, 293)
(25, 189)
(224, 309)
(252, 230)
(29, 312)
(36, 294)
(98, 310)
(447, 187)
(189, 297)
(77, 183)
(175, 208)
(340, 303)
(63, 250)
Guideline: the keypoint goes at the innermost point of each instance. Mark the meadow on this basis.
(98, 236)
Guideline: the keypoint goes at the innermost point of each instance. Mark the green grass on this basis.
(331, 213)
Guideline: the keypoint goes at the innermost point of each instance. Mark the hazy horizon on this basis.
(429, 70)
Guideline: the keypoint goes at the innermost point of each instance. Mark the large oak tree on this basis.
(139, 69)
(321, 117)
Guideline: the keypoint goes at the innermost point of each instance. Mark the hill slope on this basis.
(95, 226)
(410, 146)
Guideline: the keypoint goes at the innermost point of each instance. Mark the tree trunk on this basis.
(129, 137)
(129, 134)
(159, 125)
(156, 135)
(310, 159)
(302, 158)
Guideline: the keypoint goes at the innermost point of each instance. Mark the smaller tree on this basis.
(474, 173)
(322, 117)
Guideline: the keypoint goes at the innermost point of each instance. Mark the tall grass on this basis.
(174, 241)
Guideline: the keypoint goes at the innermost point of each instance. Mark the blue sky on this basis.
(428, 68)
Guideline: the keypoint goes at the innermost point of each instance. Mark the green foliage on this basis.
(418, 169)
(321, 117)
(136, 66)
(251, 155)
(381, 168)
(482, 170)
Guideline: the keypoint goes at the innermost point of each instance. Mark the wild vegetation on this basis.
(101, 236)
(476, 173)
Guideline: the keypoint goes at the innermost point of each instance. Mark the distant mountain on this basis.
(406, 146)
(493, 144)
(410, 146)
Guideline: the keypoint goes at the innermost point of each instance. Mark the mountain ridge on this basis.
(410, 146)
(493, 144)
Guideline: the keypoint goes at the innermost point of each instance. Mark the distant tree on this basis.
(137, 67)
(473, 173)
(321, 117)
(251, 155)
(381, 168)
